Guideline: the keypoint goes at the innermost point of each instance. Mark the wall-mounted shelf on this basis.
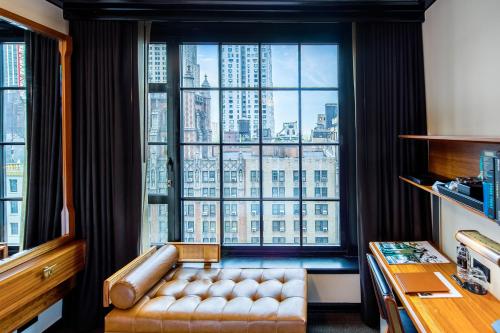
(442, 196)
(458, 138)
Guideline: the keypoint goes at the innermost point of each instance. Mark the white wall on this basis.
(462, 78)
(40, 11)
(333, 288)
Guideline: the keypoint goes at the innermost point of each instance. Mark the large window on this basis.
(256, 116)
(12, 134)
(245, 139)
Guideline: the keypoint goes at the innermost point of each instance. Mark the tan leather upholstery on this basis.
(219, 300)
(126, 292)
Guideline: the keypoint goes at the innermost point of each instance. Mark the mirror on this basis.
(31, 162)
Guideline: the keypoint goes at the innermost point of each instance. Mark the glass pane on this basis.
(157, 63)
(157, 172)
(157, 117)
(201, 221)
(240, 112)
(14, 115)
(323, 223)
(13, 62)
(241, 223)
(241, 166)
(279, 228)
(200, 65)
(13, 169)
(280, 116)
(319, 65)
(200, 116)
(198, 162)
(240, 66)
(158, 223)
(13, 215)
(321, 164)
(320, 114)
(279, 65)
(278, 165)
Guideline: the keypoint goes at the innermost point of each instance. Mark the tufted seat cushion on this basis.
(219, 300)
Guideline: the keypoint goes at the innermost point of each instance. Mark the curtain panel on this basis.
(390, 100)
(106, 157)
(44, 200)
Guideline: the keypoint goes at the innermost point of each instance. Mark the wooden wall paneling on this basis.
(25, 283)
(453, 159)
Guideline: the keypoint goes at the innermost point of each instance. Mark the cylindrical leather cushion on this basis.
(126, 292)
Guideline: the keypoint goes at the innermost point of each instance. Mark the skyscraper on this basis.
(240, 109)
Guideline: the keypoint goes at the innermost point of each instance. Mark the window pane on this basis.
(157, 173)
(322, 166)
(14, 115)
(13, 168)
(200, 116)
(157, 117)
(200, 65)
(241, 223)
(158, 223)
(241, 165)
(280, 115)
(201, 221)
(279, 65)
(323, 224)
(278, 164)
(320, 116)
(199, 160)
(279, 223)
(319, 65)
(240, 113)
(157, 63)
(240, 66)
(13, 62)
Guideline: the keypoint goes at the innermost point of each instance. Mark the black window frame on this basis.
(174, 34)
(13, 36)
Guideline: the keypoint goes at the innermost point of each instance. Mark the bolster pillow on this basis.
(126, 292)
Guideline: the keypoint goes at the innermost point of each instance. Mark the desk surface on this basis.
(471, 313)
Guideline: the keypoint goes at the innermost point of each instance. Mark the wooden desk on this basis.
(471, 313)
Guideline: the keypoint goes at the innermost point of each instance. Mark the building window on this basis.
(279, 226)
(14, 207)
(14, 229)
(321, 240)
(272, 115)
(321, 225)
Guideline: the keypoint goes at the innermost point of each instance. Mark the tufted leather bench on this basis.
(215, 300)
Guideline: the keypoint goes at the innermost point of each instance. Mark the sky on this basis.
(318, 67)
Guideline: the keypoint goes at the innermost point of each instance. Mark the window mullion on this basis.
(301, 217)
(261, 192)
(221, 157)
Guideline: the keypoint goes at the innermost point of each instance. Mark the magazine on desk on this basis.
(411, 253)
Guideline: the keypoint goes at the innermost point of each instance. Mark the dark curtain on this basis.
(390, 100)
(106, 157)
(44, 200)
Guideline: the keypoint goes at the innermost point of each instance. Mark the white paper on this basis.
(453, 293)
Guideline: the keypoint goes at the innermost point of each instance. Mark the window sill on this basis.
(333, 265)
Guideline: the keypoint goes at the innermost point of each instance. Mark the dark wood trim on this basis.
(249, 11)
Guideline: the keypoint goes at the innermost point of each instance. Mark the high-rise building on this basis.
(240, 109)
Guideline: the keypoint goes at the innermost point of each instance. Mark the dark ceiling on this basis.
(251, 10)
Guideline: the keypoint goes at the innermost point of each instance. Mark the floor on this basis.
(336, 323)
(317, 323)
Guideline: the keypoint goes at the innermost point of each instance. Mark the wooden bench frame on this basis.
(188, 253)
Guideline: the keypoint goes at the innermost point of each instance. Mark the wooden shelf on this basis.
(460, 138)
(429, 189)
